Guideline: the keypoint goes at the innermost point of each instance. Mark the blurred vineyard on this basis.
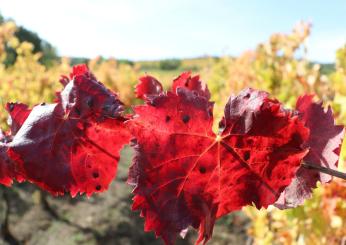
(279, 66)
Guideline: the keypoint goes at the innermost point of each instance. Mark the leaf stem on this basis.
(325, 170)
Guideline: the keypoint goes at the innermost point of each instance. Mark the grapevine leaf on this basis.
(7, 172)
(18, 114)
(73, 145)
(184, 174)
(324, 142)
(192, 83)
(148, 86)
(6, 167)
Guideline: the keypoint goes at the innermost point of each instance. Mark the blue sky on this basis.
(155, 29)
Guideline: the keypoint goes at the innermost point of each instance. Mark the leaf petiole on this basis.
(325, 170)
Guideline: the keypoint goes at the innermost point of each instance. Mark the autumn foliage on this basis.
(184, 174)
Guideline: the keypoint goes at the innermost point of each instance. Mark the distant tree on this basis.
(170, 64)
(24, 34)
(79, 60)
(49, 53)
(126, 62)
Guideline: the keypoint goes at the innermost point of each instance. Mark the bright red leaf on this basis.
(73, 145)
(324, 143)
(18, 114)
(185, 80)
(184, 174)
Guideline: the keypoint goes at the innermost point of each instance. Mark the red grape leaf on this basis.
(18, 114)
(324, 142)
(192, 83)
(148, 86)
(73, 145)
(7, 172)
(184, 174)
(79, 70)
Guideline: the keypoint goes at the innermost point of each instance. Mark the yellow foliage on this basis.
(321, 220)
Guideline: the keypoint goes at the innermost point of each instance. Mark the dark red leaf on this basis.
(148, 86)
(7, 173)
(184, 174)
(324, 142)
(6, 167)
(73, 145)
(18, 113)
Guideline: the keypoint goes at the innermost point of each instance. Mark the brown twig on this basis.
(325, 170)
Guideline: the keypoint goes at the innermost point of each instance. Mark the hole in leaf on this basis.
(96, 175)
(77, 111)
(106, 107)
(296, 138)
(98, 187)
(247, 96)
(90, 102)
(186, 118)
(246, 155)
(250, 141)
(168, 118)
(202, 170)
(210, 113)
(11, 107)
(43, 103)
